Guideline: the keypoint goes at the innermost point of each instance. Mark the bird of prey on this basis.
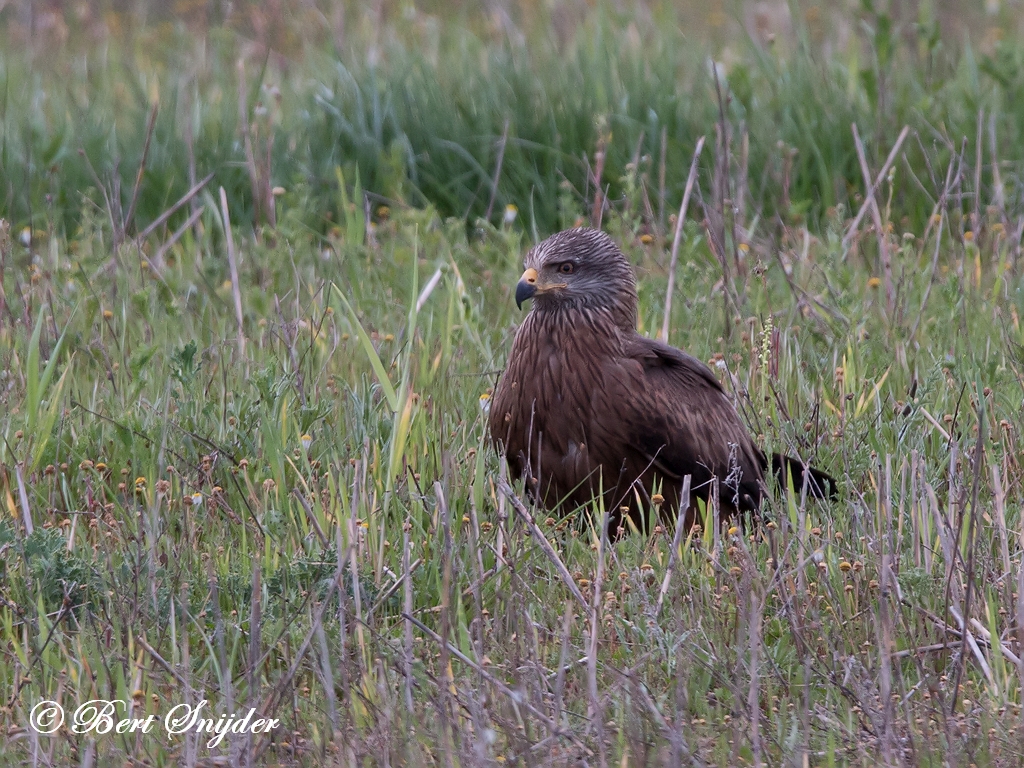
(589, 408)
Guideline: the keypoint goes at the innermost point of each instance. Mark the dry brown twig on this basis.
(855, 224)
(876, 215)
(183, 200)
(506, 490)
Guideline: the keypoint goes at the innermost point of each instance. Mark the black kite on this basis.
(588, 407)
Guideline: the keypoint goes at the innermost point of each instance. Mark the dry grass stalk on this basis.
(595, 712)
(150, 125)
(978, 157)
(999, 503)
(236, 291)
(475, 587)
(502, 142)
(969, 641)
(407, 608)
(289, 335)
(276, 696)
(720, 178)
(673, 555)
(183, 200)
(310, 514)
(257, 166)
(851, 231)
(880, 233)
(986, 636)
(750, 617)
(513, 696)
(950, 554)
(449, 712)
(563, 573)
(1020, 618)
(971, 518)
(743, 181)
(932, 420)
(998, 191)
(226, 683)
(191, 747)
(255, 651)
(160, 660)
(677, 238)
(502, 516)
(563, 658)
(161, 252)
(26, 514)
(939, 213)
(597, 212)
(883, 621)
(187, 106)
(353, 563)
(661, 179)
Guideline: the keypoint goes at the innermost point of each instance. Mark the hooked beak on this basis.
(527, 287)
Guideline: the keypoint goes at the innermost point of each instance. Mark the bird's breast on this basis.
(556, 371)
(548, 401)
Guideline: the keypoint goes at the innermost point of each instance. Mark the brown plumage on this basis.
(588, 407)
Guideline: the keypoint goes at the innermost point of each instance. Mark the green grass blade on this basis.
(371, 352)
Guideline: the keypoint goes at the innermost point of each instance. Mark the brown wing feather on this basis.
(684, 423)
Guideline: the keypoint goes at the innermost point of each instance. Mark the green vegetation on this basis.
(243, 456)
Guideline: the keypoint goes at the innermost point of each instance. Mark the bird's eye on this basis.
(566, 267)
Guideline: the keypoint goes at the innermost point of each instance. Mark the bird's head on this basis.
(579, 269)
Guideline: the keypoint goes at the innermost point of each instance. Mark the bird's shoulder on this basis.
(682, 418)
(661, 360)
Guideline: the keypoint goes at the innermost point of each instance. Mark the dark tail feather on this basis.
(819, 484)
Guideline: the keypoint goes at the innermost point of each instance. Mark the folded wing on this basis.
(680, 420)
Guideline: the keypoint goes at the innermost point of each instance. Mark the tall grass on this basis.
(313, 522)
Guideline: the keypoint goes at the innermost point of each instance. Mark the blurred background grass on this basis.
(418, 97)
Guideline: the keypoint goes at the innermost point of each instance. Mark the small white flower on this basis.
(197, 499)
(25, 236)
(485, 402)
(510, 213)
(306, 441)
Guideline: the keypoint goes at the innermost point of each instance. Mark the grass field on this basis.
(243, 455)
